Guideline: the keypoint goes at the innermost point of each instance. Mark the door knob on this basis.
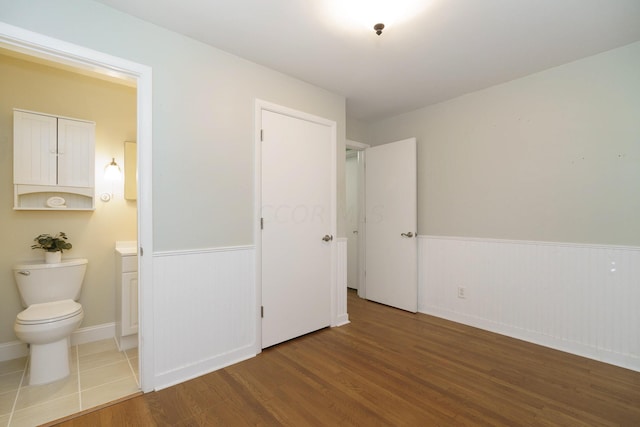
(327, 238)
(409, 234)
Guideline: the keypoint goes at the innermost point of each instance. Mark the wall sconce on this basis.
(112, 171)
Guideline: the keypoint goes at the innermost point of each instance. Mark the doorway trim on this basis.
(260, 106)
(51, 49)
(360, 148)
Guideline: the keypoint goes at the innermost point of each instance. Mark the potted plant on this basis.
(52, 245)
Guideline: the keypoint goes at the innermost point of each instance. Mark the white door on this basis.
(298, 158)
(352, 185)
(391, 222)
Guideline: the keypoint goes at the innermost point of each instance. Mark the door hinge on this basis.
(261, 134)
(141, 251)
(261, 311)
(261, 223)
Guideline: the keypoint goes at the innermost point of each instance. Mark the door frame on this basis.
(362, 232)
(79, 57)
(260, 106)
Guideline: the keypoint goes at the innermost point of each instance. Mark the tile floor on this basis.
(99, 374)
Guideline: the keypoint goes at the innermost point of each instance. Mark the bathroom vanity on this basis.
(126, 295)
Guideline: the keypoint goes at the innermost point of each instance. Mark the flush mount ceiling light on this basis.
(356, 15)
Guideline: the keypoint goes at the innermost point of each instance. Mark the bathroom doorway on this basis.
(355, 186)
(31, 46)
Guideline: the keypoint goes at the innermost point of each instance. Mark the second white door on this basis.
(391, 223)
(299, 225)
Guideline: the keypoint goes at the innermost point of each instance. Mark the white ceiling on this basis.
(449, 48)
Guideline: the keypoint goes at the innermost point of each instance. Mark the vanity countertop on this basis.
(127, 248)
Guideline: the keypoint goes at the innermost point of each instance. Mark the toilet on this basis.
(50, 293)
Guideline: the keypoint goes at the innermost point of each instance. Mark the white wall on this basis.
(356, 129)
(203, 169)
(554, 156)
(528, 197)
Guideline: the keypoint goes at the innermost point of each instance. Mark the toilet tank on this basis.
(38, 282)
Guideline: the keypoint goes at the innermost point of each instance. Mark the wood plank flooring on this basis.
(393, 368)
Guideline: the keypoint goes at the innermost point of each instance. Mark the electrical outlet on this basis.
(462, 292)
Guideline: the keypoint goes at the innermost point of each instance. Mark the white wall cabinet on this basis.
(126, 298)
(53, 162)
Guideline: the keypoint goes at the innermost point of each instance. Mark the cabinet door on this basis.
(34, 149)
(75, 153)
(129, 303)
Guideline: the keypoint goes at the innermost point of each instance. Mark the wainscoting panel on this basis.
(341, 316)
(578, 298)
(205, 311)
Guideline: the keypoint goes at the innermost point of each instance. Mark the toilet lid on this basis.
(49, 312)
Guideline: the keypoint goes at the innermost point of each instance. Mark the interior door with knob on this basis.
(391, 224)
(298, 216)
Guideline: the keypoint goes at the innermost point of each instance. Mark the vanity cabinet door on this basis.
(34, 149)
(129, 303)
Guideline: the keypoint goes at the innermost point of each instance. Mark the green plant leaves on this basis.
(51, 243)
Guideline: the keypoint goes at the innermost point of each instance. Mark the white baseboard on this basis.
(93, 333)
(342, 320)
(127, 342)
(627, 361)
(15, 349)
(176, 376)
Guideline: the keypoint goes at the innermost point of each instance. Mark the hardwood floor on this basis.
(393, 368)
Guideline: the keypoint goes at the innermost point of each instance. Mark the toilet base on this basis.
(49, 362)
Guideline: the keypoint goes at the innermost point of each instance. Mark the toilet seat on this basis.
(49, 312)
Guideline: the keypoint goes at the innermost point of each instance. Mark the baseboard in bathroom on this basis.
(93, 333)
(127, 342)
(13, 350)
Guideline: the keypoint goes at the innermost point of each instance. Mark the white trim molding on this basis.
(204, 251)
(577, 298)
(93, 333)
(14, 349)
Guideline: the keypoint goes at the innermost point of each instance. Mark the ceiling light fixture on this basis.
(358, 15)
(378, 28)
